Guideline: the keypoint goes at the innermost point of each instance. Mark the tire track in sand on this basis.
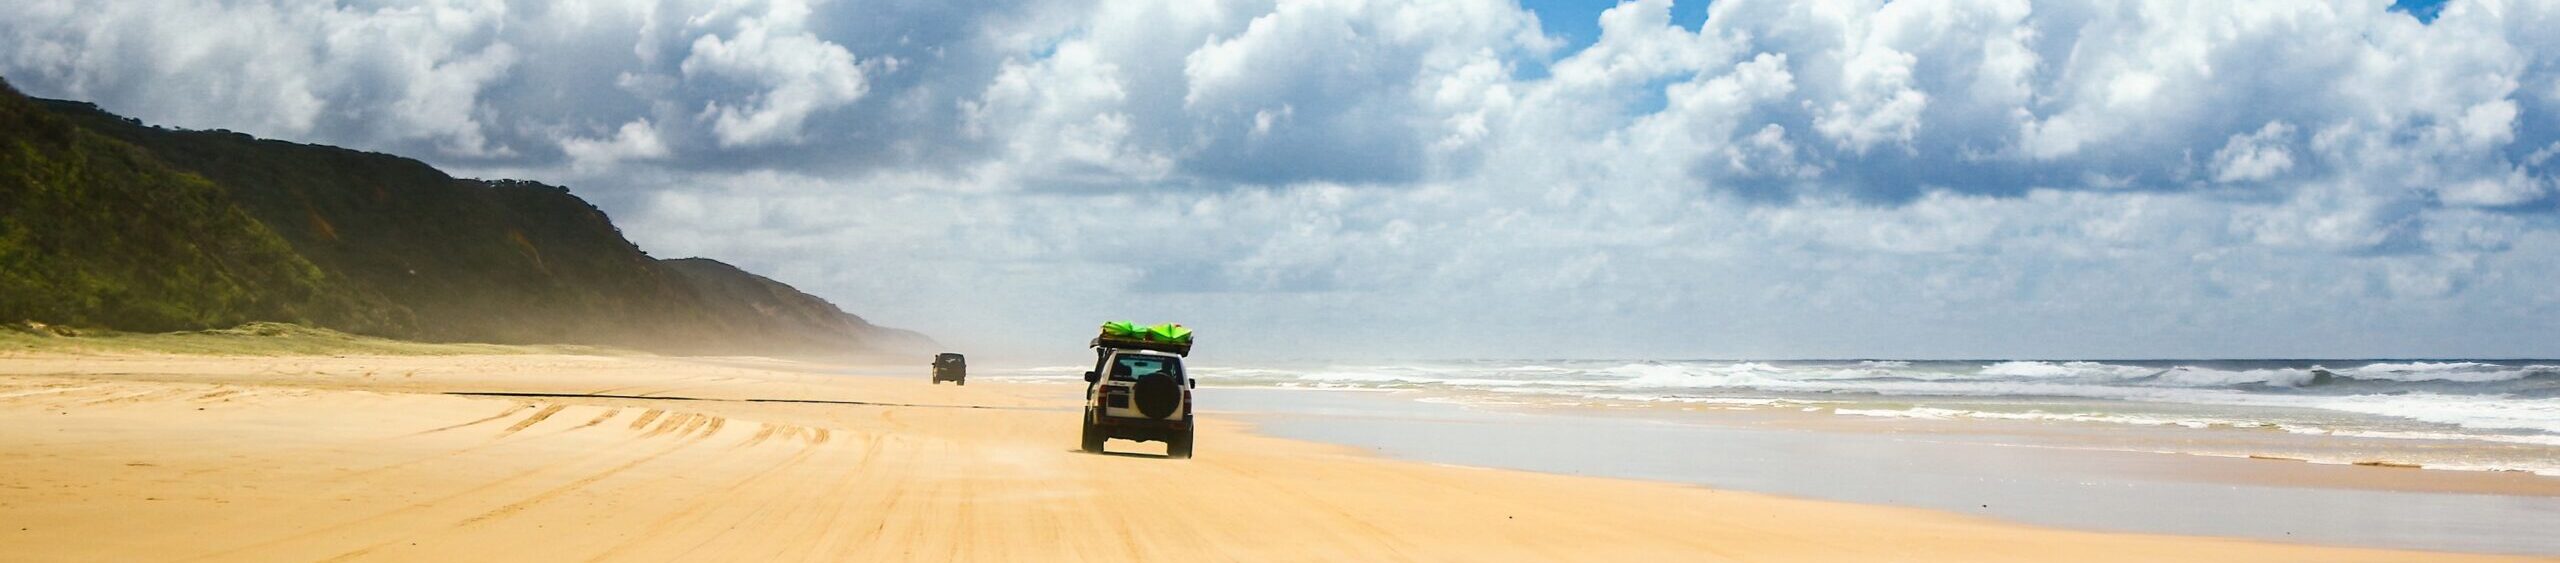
(608, 414)
(511, 411)
(699, 508)
(499, 440)
(465, 494)
(645, 417)
(537, 418)
(520, 505)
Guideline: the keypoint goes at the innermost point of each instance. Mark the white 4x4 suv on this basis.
(1138, 394)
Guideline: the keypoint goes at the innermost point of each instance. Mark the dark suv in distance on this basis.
(950, 367)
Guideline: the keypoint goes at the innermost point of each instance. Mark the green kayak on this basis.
(1168, 337)
(1168, 332)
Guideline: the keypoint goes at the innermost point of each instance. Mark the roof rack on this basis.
(1176, 348)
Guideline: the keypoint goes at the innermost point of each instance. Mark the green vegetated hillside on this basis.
(108, 222)
(94, 231)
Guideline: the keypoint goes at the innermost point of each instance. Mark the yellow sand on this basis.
(325, 459)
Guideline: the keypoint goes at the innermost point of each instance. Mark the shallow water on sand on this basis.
(2072, 478)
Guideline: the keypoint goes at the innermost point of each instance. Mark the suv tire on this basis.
(1180, 446)
(1092, 436)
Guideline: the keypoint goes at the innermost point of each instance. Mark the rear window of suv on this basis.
(1133, 367)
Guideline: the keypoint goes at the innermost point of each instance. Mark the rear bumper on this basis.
(1126, 422)
(1143, 429)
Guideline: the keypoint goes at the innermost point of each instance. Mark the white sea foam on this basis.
(1920, 413)
(2492, 418)
(2465, 372)
(2492, 413)
(2060, 370)
(2535, 439)
(1732, 401)
(2534, 467)
(1933, 413)
(1411, 377)
(2499, 416)
(2186, 376)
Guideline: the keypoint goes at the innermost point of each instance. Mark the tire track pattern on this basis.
(599, 458)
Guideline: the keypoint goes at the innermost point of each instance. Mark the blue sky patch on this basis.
(1577, 22)
(2424, 10)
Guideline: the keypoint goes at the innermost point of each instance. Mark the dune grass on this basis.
(252, 339)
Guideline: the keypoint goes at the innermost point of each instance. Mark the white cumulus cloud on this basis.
(789, 72)
(1783, 178)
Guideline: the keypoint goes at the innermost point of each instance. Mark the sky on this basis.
(1472, 178)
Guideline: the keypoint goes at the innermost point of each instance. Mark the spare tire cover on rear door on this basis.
(1158, 395)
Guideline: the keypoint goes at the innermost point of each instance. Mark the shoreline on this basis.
(2087, 432)
(2328, 457)
(2465, 415)
(371, 458)
(1975, 471)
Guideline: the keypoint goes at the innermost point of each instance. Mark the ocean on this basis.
(2479, 415)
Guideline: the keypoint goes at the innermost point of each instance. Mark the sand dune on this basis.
(330, 459)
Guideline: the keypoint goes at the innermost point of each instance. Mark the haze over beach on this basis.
(1469, 279)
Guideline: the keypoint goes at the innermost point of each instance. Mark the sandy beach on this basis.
(566, 458)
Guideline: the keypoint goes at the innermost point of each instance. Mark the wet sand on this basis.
(597, 458)
(2052, 474)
